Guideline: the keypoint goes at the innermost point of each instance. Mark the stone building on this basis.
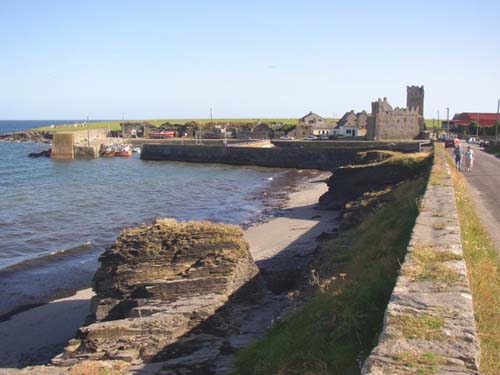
(312, 119)
(312, 124)
(415, 99)
(352, 124)
(136, 129)
(388, 123)
(262, 131)
(399, 123)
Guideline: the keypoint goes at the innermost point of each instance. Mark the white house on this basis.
(346, 131)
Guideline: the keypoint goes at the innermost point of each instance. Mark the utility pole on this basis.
(447, 122)
(211, 122)
(439, 125)
(498, 118)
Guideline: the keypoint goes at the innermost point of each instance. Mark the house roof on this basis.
(310, 114)
(484, 119)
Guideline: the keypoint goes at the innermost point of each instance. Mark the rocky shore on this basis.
(27, 136)
(236, 318)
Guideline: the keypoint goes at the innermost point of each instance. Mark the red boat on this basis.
(123, 153)
(124, 150)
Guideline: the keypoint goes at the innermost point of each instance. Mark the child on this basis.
(469, 158)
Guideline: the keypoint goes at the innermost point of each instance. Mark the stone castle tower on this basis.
(415, 98)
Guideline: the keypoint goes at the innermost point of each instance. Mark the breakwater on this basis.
(289, 156)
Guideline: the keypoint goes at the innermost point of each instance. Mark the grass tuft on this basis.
(428, 265)
(423, 327)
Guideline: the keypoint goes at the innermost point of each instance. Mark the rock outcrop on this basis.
(43, 153)
(27, 136)
(157, 284)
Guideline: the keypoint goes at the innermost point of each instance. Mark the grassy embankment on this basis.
(115, 124)
(494, 149)
(356, 273)
(483, 269)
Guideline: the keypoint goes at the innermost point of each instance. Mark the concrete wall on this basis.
(95, 135)
(397, 124)
(86, 152)
(411, 146)
(283, 157)
(62, 146)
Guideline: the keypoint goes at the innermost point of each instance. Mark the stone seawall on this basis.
(429, 323)
(411, 146)
(321, 158)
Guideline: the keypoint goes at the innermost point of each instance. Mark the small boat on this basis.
(124, 150)
(107, 151)
(137, 150)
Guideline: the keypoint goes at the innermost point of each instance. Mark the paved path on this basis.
(484, 182)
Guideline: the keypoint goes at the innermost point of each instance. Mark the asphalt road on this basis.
(484, 182)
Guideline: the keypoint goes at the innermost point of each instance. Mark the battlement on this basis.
(415, 90)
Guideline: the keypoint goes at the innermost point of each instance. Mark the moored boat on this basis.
(124, 150)
(107, 151)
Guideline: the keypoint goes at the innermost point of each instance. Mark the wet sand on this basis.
(35, 336)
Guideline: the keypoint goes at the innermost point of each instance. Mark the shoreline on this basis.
(36, 335)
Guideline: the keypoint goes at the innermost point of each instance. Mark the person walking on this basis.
(458, 157)
(469, 159)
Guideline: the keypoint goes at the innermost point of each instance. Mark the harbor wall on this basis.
(413, 146)
(321, 158)
(62, 146)
(307, 157)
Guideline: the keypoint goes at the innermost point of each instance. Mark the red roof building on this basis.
(486, 120)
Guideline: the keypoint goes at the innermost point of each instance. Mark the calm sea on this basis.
(48, 207)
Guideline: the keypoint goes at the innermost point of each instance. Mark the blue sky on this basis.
(173, 59)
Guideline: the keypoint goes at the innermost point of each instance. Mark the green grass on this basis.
(424, 327)
(115, 124)
(495, 149)
(429, 265)
(339, 326)
(427, 363)
(483, 271)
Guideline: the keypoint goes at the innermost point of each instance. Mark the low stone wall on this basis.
(429, 323)
(410, 146)
(86, 152)
(322, 159)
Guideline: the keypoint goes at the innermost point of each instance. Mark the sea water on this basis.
(57, 216)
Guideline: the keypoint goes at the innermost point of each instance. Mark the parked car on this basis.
(324, 137)
(310, 137)
(287, 138)
(473, 140)
(449, 142)
(483, 144)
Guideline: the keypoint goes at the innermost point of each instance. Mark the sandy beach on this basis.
(36, 335)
